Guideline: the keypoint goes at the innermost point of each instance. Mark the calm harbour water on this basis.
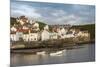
(84, 53)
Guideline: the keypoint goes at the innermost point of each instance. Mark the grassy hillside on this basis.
(41, 25)
(12, 21)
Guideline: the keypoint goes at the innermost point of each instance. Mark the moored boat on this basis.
(41, 53)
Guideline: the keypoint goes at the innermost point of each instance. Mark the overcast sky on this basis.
(53, 13)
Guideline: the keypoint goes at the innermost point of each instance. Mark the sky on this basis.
(54, 13)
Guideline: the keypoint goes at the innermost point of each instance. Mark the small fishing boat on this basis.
(41, 53)
(58, 53)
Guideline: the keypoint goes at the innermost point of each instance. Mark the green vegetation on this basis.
(89, 27)
(41, 25)
(12, 21)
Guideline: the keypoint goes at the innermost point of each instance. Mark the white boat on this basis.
(41, 53)
(58, 53)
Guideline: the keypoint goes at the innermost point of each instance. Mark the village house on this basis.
(45, 35)
(69, 36)
(13, 29)
(19, 35)
(62, 33)
(22, 20)
(70, 33)
(16, 36)
(34, 37)
(46, 27)
(53, 35)
(13, 37)
(73, 31)
(83, 34)
(26, 37)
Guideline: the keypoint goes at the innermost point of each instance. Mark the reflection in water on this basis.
(85, 54)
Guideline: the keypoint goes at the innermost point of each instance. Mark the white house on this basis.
(73, 31)
(45, 35)
(13, 29)
(26, 37)
(21, 22)
(59, 32)
(62, 33)
(31, 37)
(69, 36)
(53, 35)
(46, 27)
(16, 37)
(83, 34)
(19, 35)
(13, 37)
(34, 37)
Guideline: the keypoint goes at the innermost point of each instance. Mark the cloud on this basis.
(67, 19)
(52, 14)
(59, 13)
(20, 9)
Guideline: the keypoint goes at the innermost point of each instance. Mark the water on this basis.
(84, 53)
